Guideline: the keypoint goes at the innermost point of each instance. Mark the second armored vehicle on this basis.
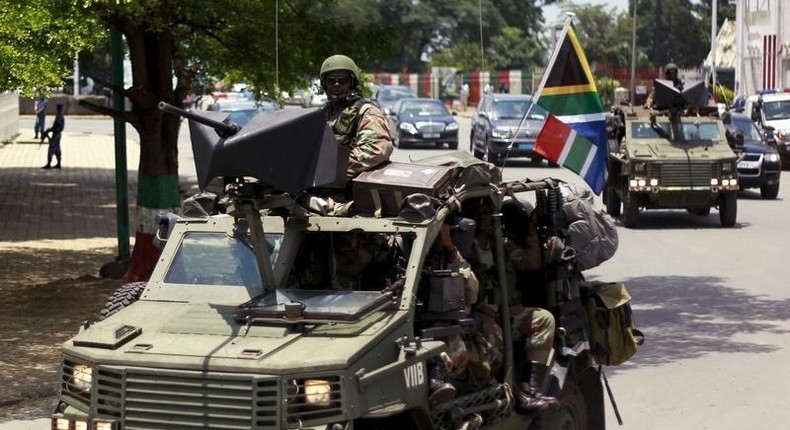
(671, 160)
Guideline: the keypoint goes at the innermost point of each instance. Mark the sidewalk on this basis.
(74, 206)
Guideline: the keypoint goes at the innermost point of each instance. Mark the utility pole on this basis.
(633, 58)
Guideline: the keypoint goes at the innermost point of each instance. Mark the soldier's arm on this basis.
(373, 145)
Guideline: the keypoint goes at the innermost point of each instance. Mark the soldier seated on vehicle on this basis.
(456, 369)
(358, 124)
(353, 260)
(532, 325)
(671, 74)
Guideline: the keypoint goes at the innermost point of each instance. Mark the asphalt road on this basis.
(711, 301)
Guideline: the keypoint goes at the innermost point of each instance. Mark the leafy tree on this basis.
(606, 35)
(173, 46)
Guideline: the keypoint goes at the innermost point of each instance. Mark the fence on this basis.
(524, 82)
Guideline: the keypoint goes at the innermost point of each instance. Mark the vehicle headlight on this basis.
(407, 127)
(726, 168)
(81, 378)
(640, 167)
(317, 392)
(772, 157)
(451, 126)
(501, 133)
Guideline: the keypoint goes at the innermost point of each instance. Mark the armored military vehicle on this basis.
(260, 314)
(677, 158)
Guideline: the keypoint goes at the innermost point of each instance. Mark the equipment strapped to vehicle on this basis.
(614, 337)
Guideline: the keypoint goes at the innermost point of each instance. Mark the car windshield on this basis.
(215, 258)
(745, 126)
(689, 130)
(394, 94)
(424, 108)
(515, 109)
(776, 110)
(338, 276)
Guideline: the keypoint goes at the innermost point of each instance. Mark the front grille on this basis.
(684, 174)
(429, 127)
(181, 400)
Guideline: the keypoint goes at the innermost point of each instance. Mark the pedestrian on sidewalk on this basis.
(53, 134)
(40, 104)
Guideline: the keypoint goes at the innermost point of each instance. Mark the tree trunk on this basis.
(157, 188)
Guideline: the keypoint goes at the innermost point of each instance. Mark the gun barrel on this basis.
(223, 129)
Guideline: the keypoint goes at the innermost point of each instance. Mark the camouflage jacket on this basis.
(363, 129)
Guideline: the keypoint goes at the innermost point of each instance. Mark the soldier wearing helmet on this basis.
(670, 74)
(357, 123)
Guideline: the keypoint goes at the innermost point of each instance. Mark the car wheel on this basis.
(612, 202)
(453, 145)
(472, 143)
(769, 191)
(728, 209)
(491, 156)
(630, 211)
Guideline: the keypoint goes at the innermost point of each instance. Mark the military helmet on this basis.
(515, 219)
(670, 66)
(340, 62)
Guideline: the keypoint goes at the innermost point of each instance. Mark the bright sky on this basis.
(552, 12)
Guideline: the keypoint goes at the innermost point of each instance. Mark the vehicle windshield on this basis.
(338, 276)
(776, 110)
(214, 258)
(395, 94)
(424, 108)
(746, 127)
(689, 130)
(515, 109)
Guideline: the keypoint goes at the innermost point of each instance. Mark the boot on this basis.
(441, 390)
(530, 398)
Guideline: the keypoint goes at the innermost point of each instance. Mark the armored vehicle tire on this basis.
(630, 211)
(571, 414)
(612, 202)
(121, 298)
(728, 209)
(769, 192)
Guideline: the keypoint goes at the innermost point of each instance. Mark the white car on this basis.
(773, 110)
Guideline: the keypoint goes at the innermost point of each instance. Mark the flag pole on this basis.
(568, 19)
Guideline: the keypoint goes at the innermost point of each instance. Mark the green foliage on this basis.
(38, 43)
(605, 39)
(606, 86)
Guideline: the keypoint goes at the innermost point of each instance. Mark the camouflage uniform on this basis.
(357, 123)
(365, 132)
(535, 325)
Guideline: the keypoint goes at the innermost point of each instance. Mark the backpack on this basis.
(614, 337)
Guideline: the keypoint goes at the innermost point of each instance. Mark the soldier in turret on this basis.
(670, 74)
(358, 124)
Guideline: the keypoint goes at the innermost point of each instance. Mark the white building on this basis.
(762, 45)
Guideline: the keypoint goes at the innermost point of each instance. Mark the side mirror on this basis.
(482, 114)
(166, 222)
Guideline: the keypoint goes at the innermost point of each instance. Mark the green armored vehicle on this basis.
(258, 314)
(672, 160)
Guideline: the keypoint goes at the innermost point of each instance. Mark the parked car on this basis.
(423, 120)
(759, 165)
(385, 96)
(242, 111)
(497, 123)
